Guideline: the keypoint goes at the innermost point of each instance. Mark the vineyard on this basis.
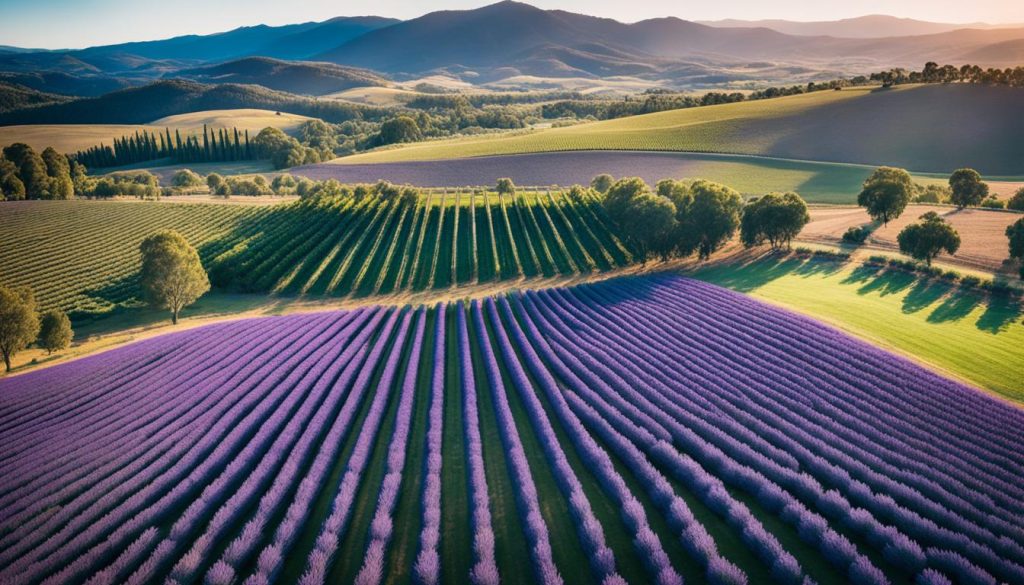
(641, 430)
(82, 256)
(373, 245)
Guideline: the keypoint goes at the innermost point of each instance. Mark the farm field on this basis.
(751, 175)
(964, 332)
(534, 437)
(70, 138)
(361, 247)
(982, 232)
(921, 128)
(83, 257)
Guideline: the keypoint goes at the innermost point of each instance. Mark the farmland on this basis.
(817, 182)
(921, 128)
(82, 256)
(69, 138)
(535, 437)
(366, 246)
(964, 332)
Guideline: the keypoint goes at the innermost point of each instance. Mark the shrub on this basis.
(993, 203)
(856, 235)
(1016, 202)
(186, 178)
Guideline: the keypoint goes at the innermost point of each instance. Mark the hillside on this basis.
(872, 26)
(14, 96)
(140, 105)
(931, 128)
(300, 77)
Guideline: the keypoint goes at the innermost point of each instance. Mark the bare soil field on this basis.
(982, 232)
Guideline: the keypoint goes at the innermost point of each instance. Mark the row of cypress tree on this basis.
(220, 145)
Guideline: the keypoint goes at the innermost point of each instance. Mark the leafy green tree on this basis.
(318, 134)
(505, 186)
(19, 323)
(776, 217)
(271, 140)
(11, 187)
(186, 178)
(929, 237)
(59, 170)
(172, 275)
(399, 129)
(602, 183)
(1016, 202)
(967, 188)
(55, 331)
(214, 181)
(292, 154)
(886, 193)
(283, 184)
(710, 220)
(619, 195)
(31, 170)
(648, 224)
(1015, 234)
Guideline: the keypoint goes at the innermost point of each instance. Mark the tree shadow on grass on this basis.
(956, 306)
(887, 282)
(751, 275)
(925, 293)
(1000, 314)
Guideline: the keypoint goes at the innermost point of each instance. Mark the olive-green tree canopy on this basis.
(55, 331)
(172, 275)
(886, 193)
(776, 218)
(19, 323)
(929, 237)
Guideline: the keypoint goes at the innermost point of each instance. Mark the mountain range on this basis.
(512, 39)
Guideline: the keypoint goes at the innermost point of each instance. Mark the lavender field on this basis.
(644, 430)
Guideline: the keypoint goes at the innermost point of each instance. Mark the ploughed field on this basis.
(642, 430)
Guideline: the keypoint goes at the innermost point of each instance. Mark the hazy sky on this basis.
(80, 23)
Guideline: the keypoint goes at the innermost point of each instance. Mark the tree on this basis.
(19, 323)
(619, 195)
(602, 183)
(710, 220)
(283, 184)
(886, 193)
(55, 331)
(777, 218)
(967, 188)
(269, 141)
(928, 238)
(505, 186)
(172, 275)
(1015, 233)
(59, 170)
(30, 169)
(214, 181)
(1016, 202)
(399, 129)
(186, 178)
(648, 224)
(12, 188)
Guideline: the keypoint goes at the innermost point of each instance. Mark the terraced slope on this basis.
(361, 247)
(638, 430)
(82, 256)
(931, 128)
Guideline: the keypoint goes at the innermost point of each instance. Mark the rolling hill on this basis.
(140, 105)
(15, 96)
(872, 26)
(301, 77)
(934, 128)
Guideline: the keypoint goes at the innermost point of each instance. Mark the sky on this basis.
(54, 24)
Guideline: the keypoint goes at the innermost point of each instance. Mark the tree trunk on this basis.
(7, 360)
(174, 316)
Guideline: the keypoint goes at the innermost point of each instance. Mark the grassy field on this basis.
(963, 332)
(917, 127)
(74, 137)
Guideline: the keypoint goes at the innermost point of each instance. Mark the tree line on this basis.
(27, 174)
(220, 145)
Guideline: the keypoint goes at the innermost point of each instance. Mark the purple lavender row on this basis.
(427, 569)
(334, 527)
(792, 512)
(128, 474)
(585, 357)
(485, 568)
(920, 504)
(868, 400)
(591, 534)
(903, 516)
(128, 457)
(309, 395)
(644, 539)
(382, 526)
(270, 558)
(120, 519)
(865, 460)
(60, 463)
(526, 490)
